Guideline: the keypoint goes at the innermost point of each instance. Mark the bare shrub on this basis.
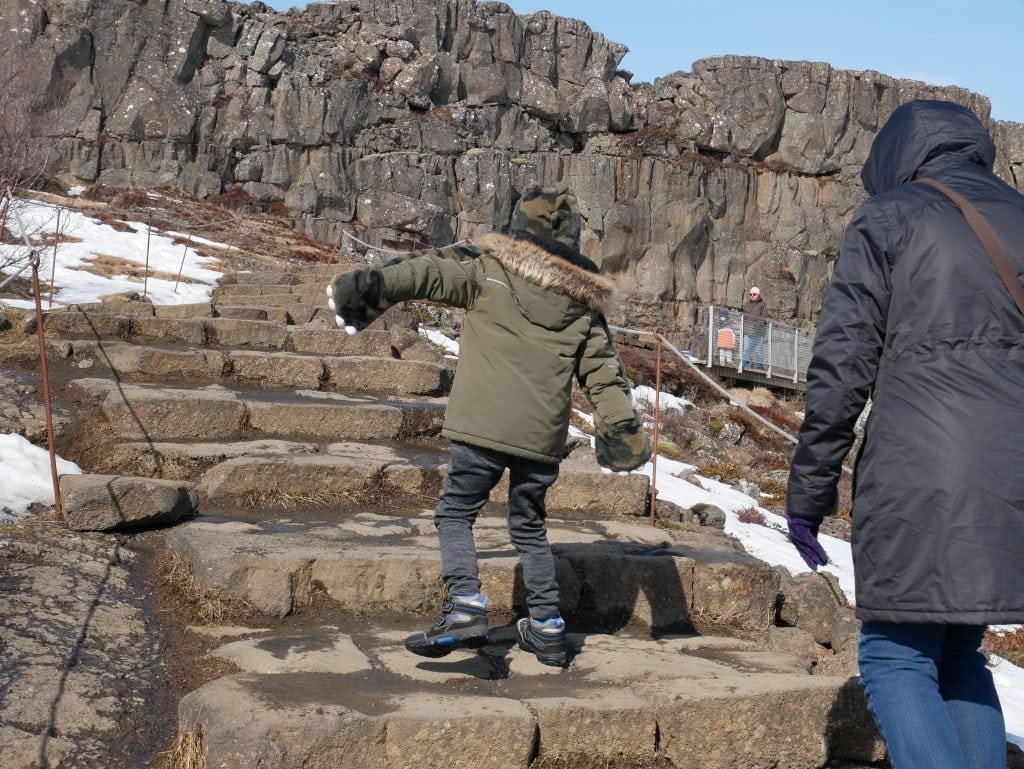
(726, 472)
(752, 515)
(1008, 645)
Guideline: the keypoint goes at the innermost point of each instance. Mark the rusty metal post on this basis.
(53, 269)
(44, 372)
(149, 235)
(657, 427)
(181, 267)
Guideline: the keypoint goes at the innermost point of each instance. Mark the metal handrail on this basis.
(759, 345)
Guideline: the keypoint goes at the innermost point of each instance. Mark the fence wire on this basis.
(760, 345)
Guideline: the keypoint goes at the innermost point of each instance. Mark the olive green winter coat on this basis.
(534, 320)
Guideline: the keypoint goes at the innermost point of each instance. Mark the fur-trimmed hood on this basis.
(561, 273)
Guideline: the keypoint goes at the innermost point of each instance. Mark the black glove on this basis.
(357, 299)
(621, 447)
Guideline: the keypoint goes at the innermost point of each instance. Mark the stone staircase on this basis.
(313, 460)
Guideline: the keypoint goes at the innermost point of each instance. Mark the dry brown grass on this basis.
(188, 751)
(588, 761)
(109, 266)
(1009, 646)
(726, 472)
(752, 515)
(289, 501)
(174, 573)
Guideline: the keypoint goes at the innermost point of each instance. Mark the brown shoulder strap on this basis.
(988, 239)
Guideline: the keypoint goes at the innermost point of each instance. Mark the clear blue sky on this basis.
(974, 45)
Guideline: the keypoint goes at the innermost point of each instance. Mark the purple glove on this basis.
(803, 533)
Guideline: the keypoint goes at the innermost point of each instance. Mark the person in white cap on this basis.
(755, 327)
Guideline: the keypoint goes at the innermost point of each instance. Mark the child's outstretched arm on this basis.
(444, 275)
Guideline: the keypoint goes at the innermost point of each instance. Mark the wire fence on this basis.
(751, 344)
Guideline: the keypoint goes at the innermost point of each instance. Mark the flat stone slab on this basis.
(235, 328)
(391, 376)
(129, 359)
(394, 343)
(372, 564)
(697, 701)
(351, 471)
(109, 502)
(385, 375)
(166, 414)
(171, 414)
(242, 313)
(182, 461)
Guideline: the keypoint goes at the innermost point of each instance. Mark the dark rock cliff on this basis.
(419, 121)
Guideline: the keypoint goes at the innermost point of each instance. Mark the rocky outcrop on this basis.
(420, 122)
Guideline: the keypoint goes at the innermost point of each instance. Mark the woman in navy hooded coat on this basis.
(917, 319)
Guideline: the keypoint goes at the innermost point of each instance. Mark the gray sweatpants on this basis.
(472, 473)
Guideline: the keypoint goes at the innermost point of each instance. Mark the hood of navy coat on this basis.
(917, 133)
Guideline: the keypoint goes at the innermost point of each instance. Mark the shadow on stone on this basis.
(851, 735)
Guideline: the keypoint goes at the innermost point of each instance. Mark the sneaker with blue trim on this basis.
(461, 625)
(545, 639)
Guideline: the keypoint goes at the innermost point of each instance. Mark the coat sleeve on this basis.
(444, 275)
(844, 361)
(601, 374)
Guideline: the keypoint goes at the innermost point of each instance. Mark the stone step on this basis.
(258, 289)
(115, 502)
(144, 309)
(358, 700)
(351, 373)
(151, 413)
(253, 475)
(297, 299)
(286, 314)
(249, 313)
(612, 574)
(239, 333)
(306, 274)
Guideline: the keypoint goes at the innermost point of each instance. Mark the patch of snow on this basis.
(448, 345)
(1010, 684)
(645, 394)
(25, 469)
(74, 283)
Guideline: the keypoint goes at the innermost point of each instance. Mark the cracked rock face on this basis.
(420, 122)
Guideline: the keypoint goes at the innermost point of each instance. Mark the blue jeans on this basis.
(472, 472)
(753, 350)
(932, 696)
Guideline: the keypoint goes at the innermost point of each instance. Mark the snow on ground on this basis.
(450, 346)
(644, 394)
(1010, 684)
(25, 469)
(91, 239)
(769, 543)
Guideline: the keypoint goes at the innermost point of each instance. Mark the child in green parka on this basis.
(534, 321)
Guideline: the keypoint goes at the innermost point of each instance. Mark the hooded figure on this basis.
(534, 322)
(917, 319)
